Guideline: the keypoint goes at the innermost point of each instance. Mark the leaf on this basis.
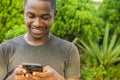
(112, 43)
(105, 40)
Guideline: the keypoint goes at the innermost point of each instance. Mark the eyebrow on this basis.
(46, 14)
(30, 13)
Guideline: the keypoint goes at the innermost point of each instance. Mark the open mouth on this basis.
(38, 30)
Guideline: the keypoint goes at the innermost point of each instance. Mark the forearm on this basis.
(10, 77)
(73, 79)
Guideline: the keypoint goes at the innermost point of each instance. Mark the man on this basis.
(59, 57)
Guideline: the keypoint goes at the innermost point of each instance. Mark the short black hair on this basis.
(53, 3)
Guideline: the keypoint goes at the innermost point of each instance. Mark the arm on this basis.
(48, 74)
(3, 62)
(19, 74)
(73, 79)
(8, 74)
(10, 77)
(72, 71)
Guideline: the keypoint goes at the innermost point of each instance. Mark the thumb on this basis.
(19, 70)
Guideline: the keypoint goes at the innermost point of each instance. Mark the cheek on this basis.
(28, 21)
(50, 22)
(47, 23)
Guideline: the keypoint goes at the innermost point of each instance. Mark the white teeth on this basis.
(35, 30)
(38, 28)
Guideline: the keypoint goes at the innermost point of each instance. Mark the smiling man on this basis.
(60, 58)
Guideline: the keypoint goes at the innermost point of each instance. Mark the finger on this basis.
(49, 73)
(37, 78)
(46, 68)
(19, 77)
(39, 74)
(19, 70)
(30, 76)
(19, 66)
(23, 70)
(42, 74)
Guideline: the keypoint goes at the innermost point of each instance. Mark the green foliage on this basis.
(73, 18)
(100, 73)
(76, 18)
(109, 11)
(15, 31)
(101, 55)
(11, 13)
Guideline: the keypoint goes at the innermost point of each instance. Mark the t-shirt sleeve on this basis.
(3, 61)
(73, 67)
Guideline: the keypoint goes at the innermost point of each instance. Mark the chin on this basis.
(44, 34)
(38, 36)
(41, 36)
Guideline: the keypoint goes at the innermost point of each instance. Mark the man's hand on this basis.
(48, 74)
(20, 74)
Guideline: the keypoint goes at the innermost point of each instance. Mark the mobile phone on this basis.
(32, 67)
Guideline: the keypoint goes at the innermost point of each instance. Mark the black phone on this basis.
(32, 67)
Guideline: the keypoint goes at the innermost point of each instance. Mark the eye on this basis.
(31, 16)
(46, 17)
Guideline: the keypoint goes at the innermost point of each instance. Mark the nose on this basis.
(37, 22)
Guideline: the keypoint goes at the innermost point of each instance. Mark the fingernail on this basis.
(26, 75)
(24, 71)
(20, 66)
(33, 73)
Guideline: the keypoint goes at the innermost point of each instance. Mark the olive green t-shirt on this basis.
(61, 55)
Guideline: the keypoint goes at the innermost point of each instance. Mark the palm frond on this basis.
(106, 53)
(105, 40)
(112, 43)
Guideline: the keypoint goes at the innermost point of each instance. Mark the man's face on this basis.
(39, 16)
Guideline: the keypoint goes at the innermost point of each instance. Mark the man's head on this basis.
(53, 3)
(39, 15)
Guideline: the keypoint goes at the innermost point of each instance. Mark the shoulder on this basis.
(61, 43)
(12, 42)
(8, 48)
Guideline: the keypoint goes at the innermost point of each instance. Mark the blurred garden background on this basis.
(92, 25)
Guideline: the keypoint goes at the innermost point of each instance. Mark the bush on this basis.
(100, 73)
(77, 19)
(15, 31)
(11, 13)
(109, 11)
(101, 56)
(73, 18)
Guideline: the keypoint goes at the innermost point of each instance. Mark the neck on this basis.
(36, 42)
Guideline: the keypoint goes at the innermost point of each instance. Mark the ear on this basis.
(55, 13)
